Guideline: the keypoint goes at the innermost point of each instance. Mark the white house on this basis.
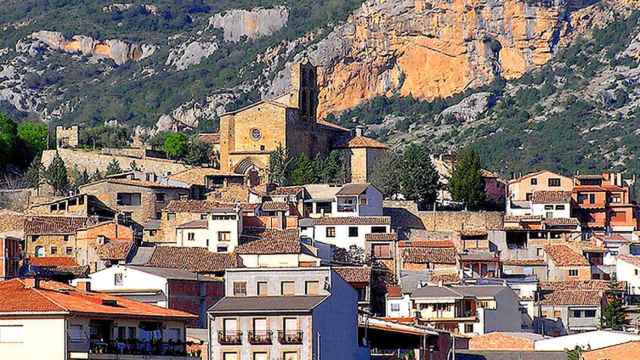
(218, 233)
(545, 203)
(628, 269)
(343, 231)
(587, 340)
(398, 304)
(348, 200)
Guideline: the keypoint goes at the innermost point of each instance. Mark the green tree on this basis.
(198, 152)
(134, 166)
(386, 174)
(56, 175)
(279, 166)
(304, 172)
(35, 174)
(418, 177)
(8, 136)
(175, 145)
(466, 184)
(34, 135)
(78, 178)
(332, 169)
(113, 167)
(575, 354)
(97, 175)
(613, 313)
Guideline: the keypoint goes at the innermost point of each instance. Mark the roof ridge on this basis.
(41, 293)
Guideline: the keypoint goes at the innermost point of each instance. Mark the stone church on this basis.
(248, 136)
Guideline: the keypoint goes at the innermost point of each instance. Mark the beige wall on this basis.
(519, 188)
(44, 338)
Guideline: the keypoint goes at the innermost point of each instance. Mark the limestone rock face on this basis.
(188, 54)
(432, 48)
(468, 109)
(117, 50)
(250, 23)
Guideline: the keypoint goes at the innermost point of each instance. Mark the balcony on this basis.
(262, 337)
(290, 337)
(130, 349)
(346, 208)
(229, 337)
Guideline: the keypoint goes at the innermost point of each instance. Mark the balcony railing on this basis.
(290, 337)
(262, 337)
(137, 347)
(229, 337)
(346, 208)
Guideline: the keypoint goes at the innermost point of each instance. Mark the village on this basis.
(164, 260)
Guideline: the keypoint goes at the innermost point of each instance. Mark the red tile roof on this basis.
(381, 237)
(193, 259)
(52, 261)
(394, 291)
(361, 142)
(561, 222)
(53, 225)
(114, 250)
(564, 255)
(427, 243)
(551, 197)
(21, 296)
(524, 262)
(196, 206)
(420, 255)
(445, 277)
(272, 247)
(572, 297)
(287, 190)
(275, 206)
(600, 285)
(195, 224)
(253, 233)
(354, 274)
(353, 220)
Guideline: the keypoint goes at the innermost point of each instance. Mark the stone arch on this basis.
(249, 168)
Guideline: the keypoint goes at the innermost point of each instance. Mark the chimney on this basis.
(359, 130)
(84, 285)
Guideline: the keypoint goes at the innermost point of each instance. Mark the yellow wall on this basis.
(518, 189)
(44, 338)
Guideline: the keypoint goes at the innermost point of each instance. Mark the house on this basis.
(470, 310)
(614, 245)
(10, 256)
(569, 307)
(475, 263)
(59, 268)
(168, 288)
(137, 200)
(344, 231)
(349, 200)
(505, 341)
(197, 260)
(593, 340)
(628, 350)
(526, 287)
(363, 153)
(382, 247)
(603, 203)
(359, 277)
(548, 204)
(628, 270)
(81, 205)
(278, 251)
(428, 255)
(398, 303)
(566, 263)
(527, 267)
(203, 180)
(104, 244)
(288, 313)
(50, 320)
(52, 235)
(522, 188)
(219, 231)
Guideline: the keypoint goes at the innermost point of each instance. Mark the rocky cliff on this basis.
(435, 48)
(252, 23)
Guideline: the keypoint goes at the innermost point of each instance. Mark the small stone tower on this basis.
(67, 137)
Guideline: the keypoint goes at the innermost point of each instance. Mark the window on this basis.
(203, 216)
(589, 313)
(132, 332)
(229, 326)
(556, 314)
(230, 356)
(34, 237)
(555, 182)
(290, 325)
(129, 199)
(534, 181)
(11, 333)
(635, 272)
(239, 288)
(39, 251)
(468, 328)
(363, 201)
(117, 279)
(158, 215)
(290, 355)
(331, 232)
(261, 288)
(323, 208)
(529, 196)
(54, 250)
(173, 334)
(122, 333)
(224, 236)
(378, 229)
(592, 198)
(153, 232)
(548, 207)
(311, 287)
(395, 307)
(66, 238)
(260, 356)
(486, 304)
(68, 250)
(160, 197)
(222, 248)
(171, 216)
(287, 288)
(353, 231)
(381, 251)
(573, 272)
(540, 251)
(76, 333)
(576, 313)
(191, 236)
(559, 207)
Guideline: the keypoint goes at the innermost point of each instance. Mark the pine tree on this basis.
(113, 167)
(304, 171)
(418, 177)
(613, 314)
(386, 174)
(279, 166)
(34, 174)
(56, 175)
(332, 168)
(198, 152)
(466, 184)
(575, 354)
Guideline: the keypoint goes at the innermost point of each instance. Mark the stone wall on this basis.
(460, 220)
(91, 161)
(67, 137)
(11, 221)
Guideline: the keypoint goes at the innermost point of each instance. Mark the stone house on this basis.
(52, 235)
(569, 308)
(566, 263)
(430, 255)
(83, 205)
(363, 154)
(104, 244)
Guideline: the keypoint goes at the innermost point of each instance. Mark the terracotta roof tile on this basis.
(361, 142)
(572, 297)
(354, 274)
(195, 224)
(600, 285)
(287, 190)
(52, 261)
(445, 277)
(551, 197)
(427, 244)
(561, 222)
(271, 247)
(352, 220)
(114, 250)
(419, 255)
(196, 206)
(381, 237)
(275, 206)
(192, 259)
(524, 262)
(58, 297)
(270, 234)
(564, 255)
(394, 291)
(48, 225)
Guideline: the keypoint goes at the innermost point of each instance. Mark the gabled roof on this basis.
(273, 247)
(193, 259)
(354, 274)
(21, 296)
(195, 224)
(275, 206)
(551, 197)
(287, 190)
(423, 255)
(197, 206)
(564, 255)
(138, 183)
(266, 304)
(352, 189)
(361, 142)
(52, 261)
(255, 233)
(197, 175)
(53, 225)
(572, 297)
(114, 250)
